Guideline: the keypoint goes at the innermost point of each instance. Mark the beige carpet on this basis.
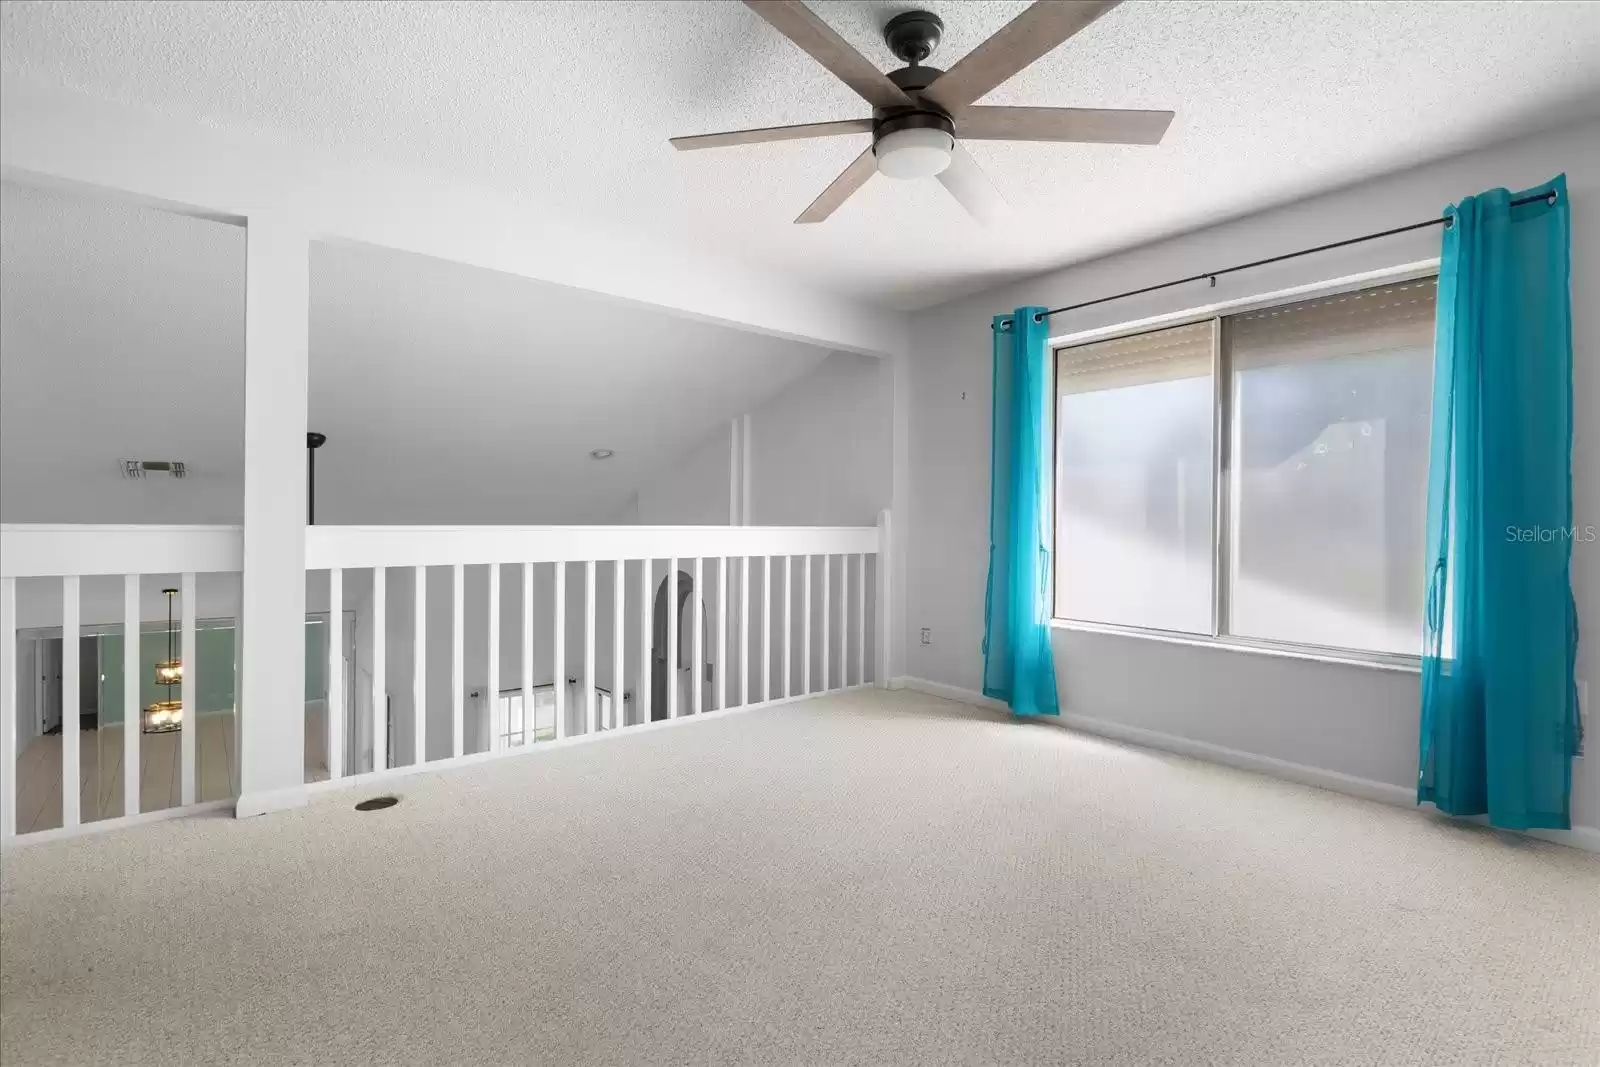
(874, 878)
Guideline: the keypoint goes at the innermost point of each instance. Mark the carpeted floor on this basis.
(869, 878)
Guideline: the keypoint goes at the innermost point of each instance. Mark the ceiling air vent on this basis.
(138, 468)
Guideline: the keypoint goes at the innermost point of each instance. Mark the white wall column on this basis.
(746, 468)
(272, 627)
(735, 475)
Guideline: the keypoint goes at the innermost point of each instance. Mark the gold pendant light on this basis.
(166, 715)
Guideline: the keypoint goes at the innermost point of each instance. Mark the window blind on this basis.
(1393, 317)
(1140, 359)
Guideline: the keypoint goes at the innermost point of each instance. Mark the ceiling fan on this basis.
(920, 115)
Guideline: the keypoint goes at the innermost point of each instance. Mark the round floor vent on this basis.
(377, 803)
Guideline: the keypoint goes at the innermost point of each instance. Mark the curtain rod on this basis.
(1213, 275)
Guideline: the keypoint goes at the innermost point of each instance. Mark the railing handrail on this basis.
(29, 550)
(37, 549)
(412, 546)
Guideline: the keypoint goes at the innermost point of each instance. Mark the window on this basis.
(1304, 424)
(1134, 477)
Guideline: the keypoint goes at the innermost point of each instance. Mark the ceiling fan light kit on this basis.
(920, 114)
(915, 150)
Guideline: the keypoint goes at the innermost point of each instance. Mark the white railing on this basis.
(555, 576)
(806, 607)
(61, 569)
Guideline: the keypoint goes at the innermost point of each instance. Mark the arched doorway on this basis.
(660, 675)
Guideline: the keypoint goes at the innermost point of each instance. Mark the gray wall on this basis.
(1350, 720)
(821, 455)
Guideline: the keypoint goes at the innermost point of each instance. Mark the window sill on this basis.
(1371, 661)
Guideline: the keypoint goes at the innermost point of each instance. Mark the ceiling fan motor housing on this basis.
(913, 35)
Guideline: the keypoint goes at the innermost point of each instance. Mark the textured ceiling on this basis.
(448, 393)
(571, 103)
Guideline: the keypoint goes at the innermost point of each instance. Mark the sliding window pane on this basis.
(1134, 480)
(1329, 469)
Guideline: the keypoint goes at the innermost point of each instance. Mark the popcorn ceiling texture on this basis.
(871, 878)
(572, 103)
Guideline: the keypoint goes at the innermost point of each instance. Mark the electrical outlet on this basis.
(927, 636)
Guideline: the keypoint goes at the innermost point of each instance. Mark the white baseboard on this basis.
(951, 692)
(121, 822)
(265, 803)
(1582, 837)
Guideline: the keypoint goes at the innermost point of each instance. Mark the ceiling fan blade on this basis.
(772, 133)
(1016, 44)
(972, 188)
(802, 26)
(854, 177)
(1062, 124)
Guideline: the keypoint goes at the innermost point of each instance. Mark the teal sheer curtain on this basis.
(1017, 665)
(1499, 701)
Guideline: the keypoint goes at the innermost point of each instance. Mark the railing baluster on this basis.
(333, 712)
(589, 694)
(788, 626)
(8, 708)
(861, 620)
(698, 641)
(527, 653)
(642, 687)
(190, 738)
(722, 632)
(70, 764)
(238, 687)
(380, 661)
(558, 670)
(882, 601)
(766, 628)
(419, 669)
(805, 632)
(619, 696)
(672, 638)
(130, 693)
(844, 622)
(458, 658)
(491, 713)
(744, 630)
(827, 615)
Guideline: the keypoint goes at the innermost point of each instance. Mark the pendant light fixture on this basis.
(166, 715)
(314, 441)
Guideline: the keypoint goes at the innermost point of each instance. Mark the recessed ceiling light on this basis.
(601, 453)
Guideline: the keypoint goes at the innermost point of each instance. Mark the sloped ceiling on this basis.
(572, 104)
(448, 393)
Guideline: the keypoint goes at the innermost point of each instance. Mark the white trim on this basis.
(1401, 272)
(274, 800)
(1371, 661)
(949, 692)
(410, 546)
(31, 550)
(123, 822)
(471, 758)
(1586, 838)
